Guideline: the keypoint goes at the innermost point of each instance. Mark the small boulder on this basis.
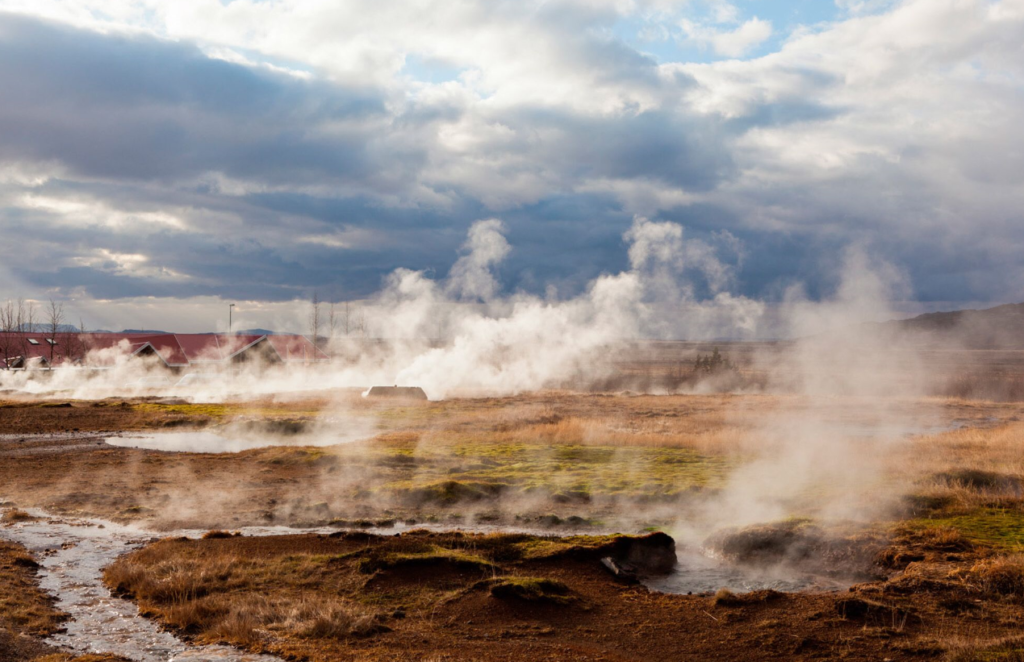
(653, 554)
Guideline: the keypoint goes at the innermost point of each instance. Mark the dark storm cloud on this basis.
(676, 149)
(133, 117)
(278, 184)
(137, 108)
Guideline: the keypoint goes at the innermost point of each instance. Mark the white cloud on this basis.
(900, 120)
(730, 43)
(82, 212)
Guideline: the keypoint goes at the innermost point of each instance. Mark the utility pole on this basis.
(231, 309)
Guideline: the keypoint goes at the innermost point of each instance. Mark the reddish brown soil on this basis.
(26, 417)
(64, 466)
(449, 615)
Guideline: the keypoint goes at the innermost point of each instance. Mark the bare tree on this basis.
(27, 315)
(315, 320)
(9, 321)
(348, 317)
(54, 322)
(332, 328)
(72, 343)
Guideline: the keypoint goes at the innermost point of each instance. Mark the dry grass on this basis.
(1005, 649)
(993, 385)
(569, 454)
(701, 422)
(15, 515)
(1001, 576)
(27, 613)
(311, 596)
(964, 469)
(705, 433)
(24, 608)
(251, 602)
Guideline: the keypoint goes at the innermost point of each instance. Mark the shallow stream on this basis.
(72, 555)
(212, 442)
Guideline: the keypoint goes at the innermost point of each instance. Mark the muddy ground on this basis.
(453, 596)
(939, 576)
(558, 459)
(438, 596)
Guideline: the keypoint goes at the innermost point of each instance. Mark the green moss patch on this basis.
(1000, 528)
(432, 556)
(531, 589)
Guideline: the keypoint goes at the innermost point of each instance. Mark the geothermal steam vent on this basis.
(396, 392)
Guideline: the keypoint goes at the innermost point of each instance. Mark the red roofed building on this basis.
(25, 350)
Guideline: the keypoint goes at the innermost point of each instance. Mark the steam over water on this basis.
(697, 573)
(461, 336)
(209, 442)
(74, 553)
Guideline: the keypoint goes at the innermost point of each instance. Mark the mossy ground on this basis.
(999, 528)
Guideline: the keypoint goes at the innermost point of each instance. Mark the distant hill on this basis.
(154, 332)
(256, 332)
(39, 327)
(1001, 327)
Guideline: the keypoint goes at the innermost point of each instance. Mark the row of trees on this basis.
(19, 316)
(712, 363)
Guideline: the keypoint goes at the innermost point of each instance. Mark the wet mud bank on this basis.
(265, 594)
(71, 555)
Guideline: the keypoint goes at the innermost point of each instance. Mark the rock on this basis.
(622, 573)
(653, 554)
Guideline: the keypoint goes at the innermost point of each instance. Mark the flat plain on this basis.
(475, 527)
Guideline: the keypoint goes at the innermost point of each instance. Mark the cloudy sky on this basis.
(159, 158)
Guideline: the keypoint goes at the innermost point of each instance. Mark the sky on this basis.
(159, 158)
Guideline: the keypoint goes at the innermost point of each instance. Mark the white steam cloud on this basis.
(460, 335)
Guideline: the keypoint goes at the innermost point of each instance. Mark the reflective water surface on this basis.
(72, 555)
(697, 573)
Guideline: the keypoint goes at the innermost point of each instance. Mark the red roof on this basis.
(175, 349)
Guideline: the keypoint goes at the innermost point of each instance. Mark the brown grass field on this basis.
(930, 521)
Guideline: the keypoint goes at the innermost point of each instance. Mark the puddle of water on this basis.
(696, 573)
(209, 442)
(885, 431)
(72, 556)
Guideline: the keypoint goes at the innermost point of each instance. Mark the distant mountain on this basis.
(39, 327)
(154, 332)
(244, 332)
(256, 332)
(1001, 327)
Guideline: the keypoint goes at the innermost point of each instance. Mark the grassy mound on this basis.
(977, 479)
(531, 589)
(432, 556)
